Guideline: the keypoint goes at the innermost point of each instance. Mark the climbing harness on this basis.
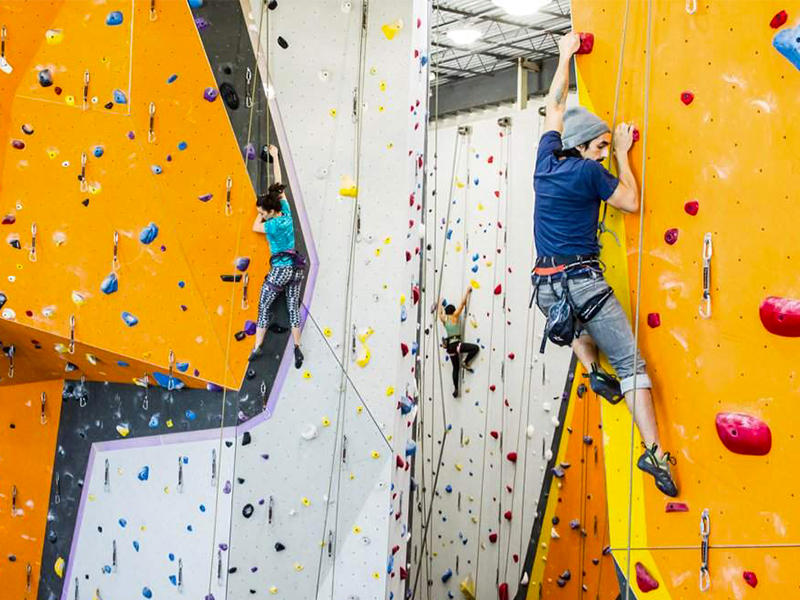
(299, 263)
(705, 307)
(705, 532)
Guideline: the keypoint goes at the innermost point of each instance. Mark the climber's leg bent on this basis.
(471, 350)
(586, 351)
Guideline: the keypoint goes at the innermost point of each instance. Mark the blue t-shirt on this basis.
(280, 234)
(568, 194)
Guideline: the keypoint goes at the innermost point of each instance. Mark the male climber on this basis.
(570, 182)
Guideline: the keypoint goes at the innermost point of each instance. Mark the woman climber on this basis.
(451, 318)
(287, 265)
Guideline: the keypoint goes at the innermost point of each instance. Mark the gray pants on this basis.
(610, 328)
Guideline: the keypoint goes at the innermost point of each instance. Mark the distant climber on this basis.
(287, 265)
(451, 318)
(582, 311)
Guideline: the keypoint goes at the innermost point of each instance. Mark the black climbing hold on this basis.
(581, 390)
(231, 278)
(229, 95)
(566, 575)
(246, 438)
(279, 547)
(227, 69)
(556, 520)
(250, 374)
(558, 472)
(587, 439)
(15, 244)
(3, 299)
(606, 550)
(564, 465)
(272, 5)
(12, 558)
(12, 426)
(239, 335)
(595, 561)
(240, 480)
(27, 129)
(85, 202)
(232, 570)
(109, 105)
(228, 443)
(52, 537)
(561, 582)
(282, 43)
(247, 511)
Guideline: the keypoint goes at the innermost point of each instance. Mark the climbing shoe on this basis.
(298, 357)
(659, 469)
(276, 328)
(605, 385)
(456, 393)
(255, 354)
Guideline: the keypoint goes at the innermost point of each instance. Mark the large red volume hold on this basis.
(780, 316)
(587, 43)
(645, 581)
(744, 434)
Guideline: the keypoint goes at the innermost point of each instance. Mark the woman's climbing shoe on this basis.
(605, 385)
(659, 469)
(255, 354)
(298, 357)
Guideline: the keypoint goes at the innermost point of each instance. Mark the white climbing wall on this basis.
(325, 456)
(511, 403)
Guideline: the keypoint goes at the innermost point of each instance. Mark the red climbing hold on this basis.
(676, 507)
(671, 236)
(636, 135)
(497, 193)
(778, 21)
(512, 457)
(494, 434)
(645, 581)
(498, 290)
(490, 160)
(399, 462)
(492, 387)
(687, 98)
(780, 316)
(507, 515)
(653, 320)
(587, 43)
(403, 348)
(744, 434)
(403, 574)
(691, 207)
(9, 220)
(411, 199)
(408, 256)
(515, 557)
(415, 293)
(395, 549)
(750, 577)
(493, 537)
(511, 356)
(502, 591)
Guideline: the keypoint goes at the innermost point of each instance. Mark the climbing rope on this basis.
(648, 53)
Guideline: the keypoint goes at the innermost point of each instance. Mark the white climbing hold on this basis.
(554, 533)
(309, 432)
(546, 406)
(529, 431)
(555, 421)
(548, 455)
(524, 580)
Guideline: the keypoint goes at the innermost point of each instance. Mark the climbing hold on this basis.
(247, 511)
(246, 438)
(45, 78)
(205, 197)
(687, 98)
(110, 284)
(587, 43)
(502, 591)
(114, 18)
(558, 472)
(309, 432)
(492, 387)
(468, 588)
(390, 30)
(529, 431)
(653, 320)
(676, 507)
(375, 454)
(636, 135)
(242, 263)
(144, 474)
(156, 169)
(18, 144)
(123, 430)
(130, 319)
(54, 36)
(645, 581)
(507, 515)
(744, 434)
(778, 21)
(691, 207)
(149, 234)
(498, 289)
(399, 462)
(447, 575)
(210, 94)
(750, 578)
(780, 316)
(403, 348)
(283, 43)
(671, 236)
(120, 97)
(493, 537)
(512, 457)
(494, 434)
(195, 3)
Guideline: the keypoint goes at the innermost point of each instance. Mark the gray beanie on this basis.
(581, 126)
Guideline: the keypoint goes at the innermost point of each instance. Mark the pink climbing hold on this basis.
(654, 320)
(502, 591)
(671, 236)
(750, 578)
(512, 457)
(645, 581)
(587, 43)
(498, 290)
(691, 207)
(403, 574)
(780, 316)
(676, 507)
(744, 434)
(493, 537)
(507, 515)
(687, 98)
(778, 21)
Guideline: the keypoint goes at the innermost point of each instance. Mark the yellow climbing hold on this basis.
(95, 188)
(348, 187)
(364, 354)
(389, 146)
(488, 263)
(459, 467)
(458, 246)
(402, 298)
(61, 348)
(326, 422)
(381, 108)
(377, 251)
(359, 410)
(59, 567)
(91, 358)
(306, 374)
(92, 497)
(376, 575)
(474, 322)
(480, 206)
(327, 332)
(475, 285)
(123, 430)
(170, 424)
(54, 36)
(52, 152)
(298, 567)
(375, 454)
(474, 519)
(387, 240)
(390, 391)
(332, 112)
(390, 29)
(468, 588)
(356, 529)
(459, 184)
(77, 298)
(166, 489)
(273, 590)
(383, 86)
(70, 100)
(305, 501)
(373, 71)
(352, 476)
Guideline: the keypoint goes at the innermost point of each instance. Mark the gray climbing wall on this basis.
(319, 467)
(496, 438)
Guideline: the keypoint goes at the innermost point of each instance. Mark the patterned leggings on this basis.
(288, 279)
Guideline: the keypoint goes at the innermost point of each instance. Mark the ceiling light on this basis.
(463, 37)
(519, 8)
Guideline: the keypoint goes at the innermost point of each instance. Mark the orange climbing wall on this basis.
(731, 150)
(172, 285)
(580, 496)
(27, 448)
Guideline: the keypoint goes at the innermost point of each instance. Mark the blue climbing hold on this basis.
(144, 474)
(205, 197)
(157, 170)
(182, 366)
(405, 405)
(171, 557)
(114, 18)
(173, 580)
(45, 78)
(163, 380)
(449, 233)
(449, 489)
(403, 314)
(202, 508)
(182, 145)
(414, 348)
(787, 42)
(122, 363)
(447, 575)
(154, 420)
(213, 387)
(109, 284)
(190, 416)
(411, 448)
(123, 522)
(189, 528)
(106, 569)
(147, 592)
(181, 284)
(210, 94)
(130, 319)
(135, 545)
(195, 3)
(390, 564)
(120, 97)
(476, 181)
(148, 234)
(98, 151)
(172, 78)
(423, 60)
(186, 460)
(475, 257)
(242, 263)
(474, 268)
